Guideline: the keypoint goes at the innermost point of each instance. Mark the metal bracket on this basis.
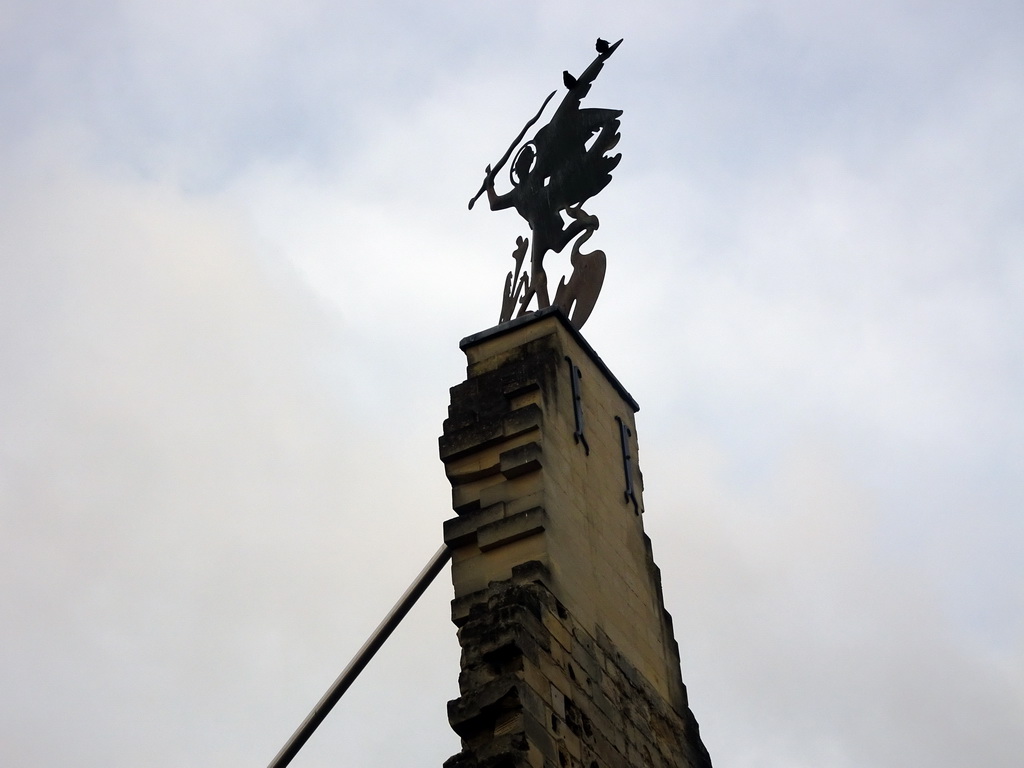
(627, 464)
(577, 403)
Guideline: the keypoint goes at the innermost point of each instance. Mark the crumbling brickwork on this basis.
(569, 657)
(539, 691)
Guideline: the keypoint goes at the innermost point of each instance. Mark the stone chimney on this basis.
(568, 654)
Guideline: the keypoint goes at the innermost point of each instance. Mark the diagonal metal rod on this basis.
(362, 658)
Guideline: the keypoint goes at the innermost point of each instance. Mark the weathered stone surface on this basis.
(511, 528)
(520, 460)
(569, 658)
(600, 712)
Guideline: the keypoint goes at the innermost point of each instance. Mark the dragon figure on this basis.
(563, 166)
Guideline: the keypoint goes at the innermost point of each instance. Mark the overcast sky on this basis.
(235, 266)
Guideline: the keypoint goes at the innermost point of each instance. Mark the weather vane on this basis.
(562, 167)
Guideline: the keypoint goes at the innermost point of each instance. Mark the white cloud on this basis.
(237, 263)
(183, 478)
(789, 610)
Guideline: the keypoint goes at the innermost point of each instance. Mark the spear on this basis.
(504, 159)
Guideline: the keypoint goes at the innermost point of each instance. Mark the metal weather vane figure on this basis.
(562, 167)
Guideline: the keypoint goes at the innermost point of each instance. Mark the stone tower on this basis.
(568, 654)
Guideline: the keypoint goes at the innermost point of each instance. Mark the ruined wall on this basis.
(568, 654)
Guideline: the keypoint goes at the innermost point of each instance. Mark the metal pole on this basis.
(362, 658)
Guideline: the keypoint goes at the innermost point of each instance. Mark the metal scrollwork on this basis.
(563, 166)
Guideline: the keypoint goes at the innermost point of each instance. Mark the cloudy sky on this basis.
(235, 266)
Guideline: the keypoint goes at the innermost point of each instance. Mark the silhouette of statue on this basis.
(562, 167)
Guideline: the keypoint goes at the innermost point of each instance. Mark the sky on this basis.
(235, 265)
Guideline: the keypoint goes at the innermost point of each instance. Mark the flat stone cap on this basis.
(534, 317)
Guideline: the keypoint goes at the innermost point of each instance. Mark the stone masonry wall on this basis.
(569, 657)
(540, 691)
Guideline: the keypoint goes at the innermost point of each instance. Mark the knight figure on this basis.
(563, 166)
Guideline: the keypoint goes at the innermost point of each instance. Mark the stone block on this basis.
(462, 531)
(521, 460)
(506, 530)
